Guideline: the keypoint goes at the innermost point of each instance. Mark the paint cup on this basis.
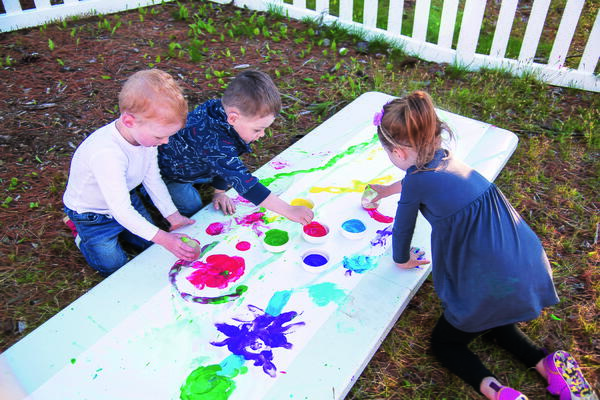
(315, 232)
(368, 195)
(302, 202)
(353, 229)
(276, 240)
(193, 244)
(315, 260)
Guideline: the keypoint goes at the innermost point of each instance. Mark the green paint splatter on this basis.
(330, 163)
(325, 293)
(73, 361)
(276, 237)
(205, 383)
(277, 302)
(554, 317)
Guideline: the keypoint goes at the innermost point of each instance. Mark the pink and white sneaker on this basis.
(565, 378)
(507, 393)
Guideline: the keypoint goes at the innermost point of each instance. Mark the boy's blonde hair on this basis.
(153, 94)
(254, 94)
(411, 121)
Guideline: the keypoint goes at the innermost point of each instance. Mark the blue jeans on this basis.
(185, 196)
(101, 237)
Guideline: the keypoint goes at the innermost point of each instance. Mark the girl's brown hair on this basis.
(153, 94)
(411, 121)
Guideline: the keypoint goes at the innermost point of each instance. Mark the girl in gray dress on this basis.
(489, 268)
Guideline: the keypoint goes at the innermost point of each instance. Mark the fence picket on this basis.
(565, 33)
(394, 23)
(421, 20)
(11, 6)
(533, 32)
(370, 13)
(469, 32)
(346, 10)
(589, 60)
(322, 6)
(503, 28)
(41, 4)
(299, 3)
(448, 23)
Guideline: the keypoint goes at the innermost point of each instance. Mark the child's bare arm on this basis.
(384, 191)
(300, 214)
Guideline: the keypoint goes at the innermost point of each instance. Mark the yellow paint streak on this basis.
(357, 186)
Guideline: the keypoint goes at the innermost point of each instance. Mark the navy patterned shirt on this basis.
(208, 148)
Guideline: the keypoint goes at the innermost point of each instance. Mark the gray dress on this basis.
(489, 267)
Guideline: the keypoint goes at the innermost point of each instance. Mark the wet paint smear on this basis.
(382, 236)
(243, 246)
(278, 164)
(218, 271)
(277, 302)
(254, 221)
(217, 228)
(178, 267)
(327, 292)
(276, 237)
(255, 339)
(357, 186)
(330, 163)
(377, 216)
(354, 226)
(315, 229)
(359, 263)
(315, 260)
(207, 383)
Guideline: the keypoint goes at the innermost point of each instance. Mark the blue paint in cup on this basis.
(315, 260)
(354, 226)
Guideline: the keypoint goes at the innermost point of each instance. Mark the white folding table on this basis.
(272, 330)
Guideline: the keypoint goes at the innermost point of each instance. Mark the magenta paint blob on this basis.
(315, 229)
(315, 260)
(377, 216)
(216, 228)
(243, 246)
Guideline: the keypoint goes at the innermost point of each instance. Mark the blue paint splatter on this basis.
(254, 339)
(277, 302)
(360, 263)
(325, 293)
(382, 236)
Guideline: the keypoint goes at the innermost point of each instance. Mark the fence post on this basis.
(394, 23)
(421, 20)
(448, 23)
(504, 25)
(535, 24)
(589, 60)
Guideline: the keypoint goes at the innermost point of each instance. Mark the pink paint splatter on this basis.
(243, 246)
(279, 164)
(377, 216)
(217, 272)
(315, 229)
(216, 228)
(254, 221)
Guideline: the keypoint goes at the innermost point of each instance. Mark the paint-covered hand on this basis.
(223, 202)
(301, 214)
(173, 243)
(177, 221)
(417, 257)
(384, 191)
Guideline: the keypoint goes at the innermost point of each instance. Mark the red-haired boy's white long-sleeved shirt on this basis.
(104, 169)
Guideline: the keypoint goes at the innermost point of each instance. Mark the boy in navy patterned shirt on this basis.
(208, 149)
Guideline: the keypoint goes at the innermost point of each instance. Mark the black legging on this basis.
(450, 346)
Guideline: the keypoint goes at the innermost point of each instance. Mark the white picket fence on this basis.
(553, 72)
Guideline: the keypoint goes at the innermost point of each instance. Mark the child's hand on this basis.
(173, 243)
(222, 202)
(416, 258)
(384, 191)
(177, 221)
(301, 214)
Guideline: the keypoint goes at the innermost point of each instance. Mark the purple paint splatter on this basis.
(381, 237)
(255, 339)
(279, 164)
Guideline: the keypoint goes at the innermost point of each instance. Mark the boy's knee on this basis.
(105, 259)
